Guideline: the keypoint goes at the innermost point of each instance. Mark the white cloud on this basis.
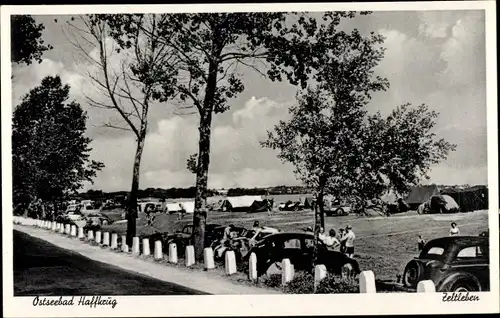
(237, 159)
(435, 24)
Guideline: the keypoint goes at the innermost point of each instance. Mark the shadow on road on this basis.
(43, 269)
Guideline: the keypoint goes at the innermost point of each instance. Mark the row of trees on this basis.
(195, 61)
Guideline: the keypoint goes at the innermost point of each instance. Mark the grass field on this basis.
(382, 244)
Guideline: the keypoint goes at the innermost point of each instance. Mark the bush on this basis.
(333, 284)
(273, 280)
(302, 283)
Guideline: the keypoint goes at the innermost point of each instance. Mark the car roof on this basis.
(289, 234)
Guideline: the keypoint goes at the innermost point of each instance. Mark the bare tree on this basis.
(128, 74)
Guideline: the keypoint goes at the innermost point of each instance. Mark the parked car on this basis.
(298, 247)
(183, 238)
(454, 264)
(336, 207)
(290, 206)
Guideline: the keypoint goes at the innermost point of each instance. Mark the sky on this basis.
(432, 57)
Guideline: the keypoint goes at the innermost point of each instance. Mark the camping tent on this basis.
(242, 203)
(469, 199)
(173, 207)
(187, 206)
(420, 194)
(307, 202)
(438, 204)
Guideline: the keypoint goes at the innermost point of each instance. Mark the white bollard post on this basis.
(158, 250)
(319, 274)
(48, 225)
(252, 267)
(124, 244)
(105, 239)
(114, 241)
(98, 237)
(61, 228)
(145, 247)
(81, 234)
(73, 230)
(54, 226)
(426, 286)
(190, 260)
(208, 254)
(135, 246)
(172, 253)
(367, 282)
(230, 263)
(67, 230)
(286, 274)
(90, 235)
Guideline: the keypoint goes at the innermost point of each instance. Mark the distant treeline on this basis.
(176, 193)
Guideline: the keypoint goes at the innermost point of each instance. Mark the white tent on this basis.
(451, 204)
(243, 201)
(173, 207)
(188, 206)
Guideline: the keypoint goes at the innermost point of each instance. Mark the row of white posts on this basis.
(366, 278)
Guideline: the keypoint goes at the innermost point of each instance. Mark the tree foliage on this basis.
(26, 41)
(50, 152)
(336, 147)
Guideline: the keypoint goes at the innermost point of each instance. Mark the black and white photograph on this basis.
(248, 153)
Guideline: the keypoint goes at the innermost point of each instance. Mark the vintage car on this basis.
(298, 247)
(290, 206)
(183, 238)
(454, 264)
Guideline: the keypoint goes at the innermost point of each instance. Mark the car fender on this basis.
(450, 279)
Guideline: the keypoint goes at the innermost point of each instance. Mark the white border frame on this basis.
(174, 306)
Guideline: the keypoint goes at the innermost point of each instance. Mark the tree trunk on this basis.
(132, 202)
(200, 200)
(319, 220)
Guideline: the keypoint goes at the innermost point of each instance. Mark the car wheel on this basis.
(339, 211)
(105, 222)
(412, 274)
(460, 283)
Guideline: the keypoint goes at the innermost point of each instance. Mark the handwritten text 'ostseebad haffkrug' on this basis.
(92, 302)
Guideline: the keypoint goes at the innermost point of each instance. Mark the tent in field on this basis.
(307, 202)
(439, 204)
(173, 207)
(262, 206)
(242, 203)
(187, 206)
(420, 194)
(469, 199)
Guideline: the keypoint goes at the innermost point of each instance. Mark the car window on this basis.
(292, 243)
(471, 252)
(436, 250)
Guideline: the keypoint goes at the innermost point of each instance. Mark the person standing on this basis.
(342, 240)
(420, 243)
(454, 230)
(349, 241)
(331, 240)
(322, 235)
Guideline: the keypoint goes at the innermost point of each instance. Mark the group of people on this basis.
(344, 242)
